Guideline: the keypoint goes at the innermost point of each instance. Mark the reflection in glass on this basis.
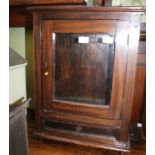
(83, 65)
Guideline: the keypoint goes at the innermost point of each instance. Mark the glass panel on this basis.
(83, 65)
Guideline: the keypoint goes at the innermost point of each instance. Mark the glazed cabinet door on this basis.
(83, 67)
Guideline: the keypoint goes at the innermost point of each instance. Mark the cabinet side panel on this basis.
(130, 80)
(37, 68)
(121, 48)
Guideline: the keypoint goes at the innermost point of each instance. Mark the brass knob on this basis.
(46, 73)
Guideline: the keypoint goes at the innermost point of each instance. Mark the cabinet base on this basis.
(85, 140)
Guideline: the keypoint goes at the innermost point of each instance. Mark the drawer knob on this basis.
(46, 73)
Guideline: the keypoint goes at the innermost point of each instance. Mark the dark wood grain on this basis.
(37, 69)
(20, 2)
(49, 125)
(130, 80)
(81, 9)
(80, 26)
(80, 119)
(89, 141)
(124, 24)
(118, 77)
(19, 17)
(143, 114)
(140, 90)
(81, 70)
(43, 2)
(44, 146)
(18, 141)
(47, 64)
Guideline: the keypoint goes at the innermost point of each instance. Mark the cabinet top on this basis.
(81, 8)
(90, 13)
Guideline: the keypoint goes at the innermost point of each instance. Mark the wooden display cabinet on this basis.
(85, 67)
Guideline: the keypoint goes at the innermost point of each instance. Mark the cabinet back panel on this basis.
(83, 71)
